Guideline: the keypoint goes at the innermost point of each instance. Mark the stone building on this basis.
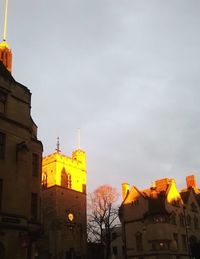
(20, 167)
(64, 205)
(160, 222)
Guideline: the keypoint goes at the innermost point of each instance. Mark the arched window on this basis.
(66, 179)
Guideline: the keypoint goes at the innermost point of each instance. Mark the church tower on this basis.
(5, 51)
(67, 172)
(64, 204)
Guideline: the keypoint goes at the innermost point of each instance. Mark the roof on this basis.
(5, 73)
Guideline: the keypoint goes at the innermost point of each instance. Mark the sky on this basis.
(125, 72)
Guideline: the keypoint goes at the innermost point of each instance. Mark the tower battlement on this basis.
(68, 172)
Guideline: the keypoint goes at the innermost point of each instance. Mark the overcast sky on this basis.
(126, 72)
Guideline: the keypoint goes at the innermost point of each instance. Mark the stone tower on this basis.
(64, 205)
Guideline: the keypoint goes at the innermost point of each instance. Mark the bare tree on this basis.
(102, 216)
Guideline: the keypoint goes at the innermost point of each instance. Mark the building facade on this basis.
(64, 205)
(160, 222)
(20, 167)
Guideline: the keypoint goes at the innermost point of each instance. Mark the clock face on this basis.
(70, 216)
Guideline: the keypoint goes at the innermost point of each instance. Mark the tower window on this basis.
(66, 180)
(35, 165)
(2, 145)
(34, 206)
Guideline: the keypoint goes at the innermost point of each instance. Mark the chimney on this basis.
(191, 181)
(125, 190)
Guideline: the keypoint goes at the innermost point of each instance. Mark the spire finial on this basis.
(58, 145)
(5, 20)
(79, 139)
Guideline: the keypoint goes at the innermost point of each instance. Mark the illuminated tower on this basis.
(64, 204)
(61, 170)
(5, 51)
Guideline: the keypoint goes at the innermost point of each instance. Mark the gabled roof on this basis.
(5, 73)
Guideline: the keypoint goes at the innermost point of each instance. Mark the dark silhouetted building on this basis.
(160, 222)
(20, 167)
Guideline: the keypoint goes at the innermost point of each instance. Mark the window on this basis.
(34, 206)
(188, 220)
(1, 193)
(115, 252)
(182, 220)
(114, 235)
(193, 207)
(196, 222)
(3, 98)
(175, 235)
(184, 242)
(139, 243)
(158, 245)
(35, 165)
(2, 145)
(66, 180)
(173, 218)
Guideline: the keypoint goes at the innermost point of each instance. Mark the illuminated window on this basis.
(3, 98)
(34, 206)
(2, 145)
(35, 165)
(160, 245)
(1, 192)
(69, 181)
(139, 242)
